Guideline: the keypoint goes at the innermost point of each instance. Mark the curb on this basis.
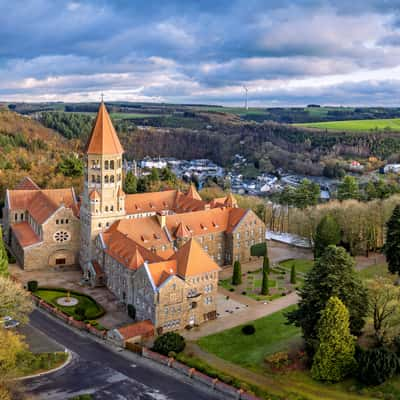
(67, 361)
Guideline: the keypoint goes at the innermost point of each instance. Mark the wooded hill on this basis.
(29, 148)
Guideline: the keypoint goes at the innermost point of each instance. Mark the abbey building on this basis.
(159, 252)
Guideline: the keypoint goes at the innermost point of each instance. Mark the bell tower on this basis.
(103, 200)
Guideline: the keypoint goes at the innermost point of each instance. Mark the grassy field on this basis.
(29, 363)
(364, 125)
(301, 265)
(271, 335)
(373, 271)
(92, 309)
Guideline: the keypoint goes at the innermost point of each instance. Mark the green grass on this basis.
(262, 297)
(30, 363)
(373, 271)
(93, 310)
(365, 125)
(302, 265)
(271, 335)
(226, 284)
(258, 283)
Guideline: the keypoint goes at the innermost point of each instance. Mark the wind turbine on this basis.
(245, 99)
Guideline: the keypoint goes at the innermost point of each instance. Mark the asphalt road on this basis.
(99, 369)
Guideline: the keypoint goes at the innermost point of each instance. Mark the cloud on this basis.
(286, 52)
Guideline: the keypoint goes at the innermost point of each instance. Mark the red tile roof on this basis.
(192, 260)
(42, 203)
(26, 184)
(142, 328)
(103, 139)
(24, 234)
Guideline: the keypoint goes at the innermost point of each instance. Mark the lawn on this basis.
(30, 363)
(301, 265)
(134, 115)
(373, 271)
(93, 310)
(271, 335)
(364, 125)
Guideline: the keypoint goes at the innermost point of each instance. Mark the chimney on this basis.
(162, 219)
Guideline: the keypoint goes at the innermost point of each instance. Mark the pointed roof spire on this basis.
(103, 139)
(230, 200)
(181, 231)
(193, 193)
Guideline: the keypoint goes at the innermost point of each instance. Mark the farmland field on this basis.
(364, 125)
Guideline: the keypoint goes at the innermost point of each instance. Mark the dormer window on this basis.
(112, 164)
(203, 227)
(106, 164)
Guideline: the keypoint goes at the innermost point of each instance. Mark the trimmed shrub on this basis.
(80, 313)
(266, 266)
(237, 273)
(231, 289)
(32, 286)
(249, 329)
(375, 366)
(258, 250)
(293, 278)
(132, 311)
(170, 341)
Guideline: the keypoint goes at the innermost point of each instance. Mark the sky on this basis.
(287, 53)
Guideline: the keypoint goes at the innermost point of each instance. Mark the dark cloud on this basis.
(199, 50)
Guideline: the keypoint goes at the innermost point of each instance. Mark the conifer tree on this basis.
(326, 233)
(237, 273)
(334, 358)
(293, 277)
(265, 283)
(130, 183)
(333, 274)
(266, 264)
(3, 257)
(392, 246)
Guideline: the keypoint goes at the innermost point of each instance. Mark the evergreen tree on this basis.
(333, 274)
(326, 233)
(154, 175)
(237, 273)
(265, 283)
(348, 188)
(130, 183)
(266, 264)
(3, 257)
(392, 246)
(334, 358)
(293, 278)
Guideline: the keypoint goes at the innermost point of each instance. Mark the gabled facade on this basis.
(41, 227)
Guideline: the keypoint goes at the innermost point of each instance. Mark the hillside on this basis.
(29, 148)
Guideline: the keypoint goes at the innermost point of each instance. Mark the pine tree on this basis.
(130, 184)
(265, 283)
(3, 257)
(327, 233)
(237, 273)
(293, 277)
(334, 358)
(333, 274)
(392, 246)
(266, 264)
(348, 188)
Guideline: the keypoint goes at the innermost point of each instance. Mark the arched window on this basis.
(106, 179)
(106, 164)
(111, 208)
(112, 164)
(93, 178)
(98, 178)
(112, 178)
(106, 208)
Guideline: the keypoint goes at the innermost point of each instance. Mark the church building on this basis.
(157, 252)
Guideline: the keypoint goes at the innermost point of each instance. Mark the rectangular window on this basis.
(60, 261)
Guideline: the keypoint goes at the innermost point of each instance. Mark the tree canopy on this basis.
(348, 188)
(334, 358)
(333, 274)
(3, 257)
(392, 246)
(327, 233)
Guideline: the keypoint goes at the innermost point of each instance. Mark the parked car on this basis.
(8, 322)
